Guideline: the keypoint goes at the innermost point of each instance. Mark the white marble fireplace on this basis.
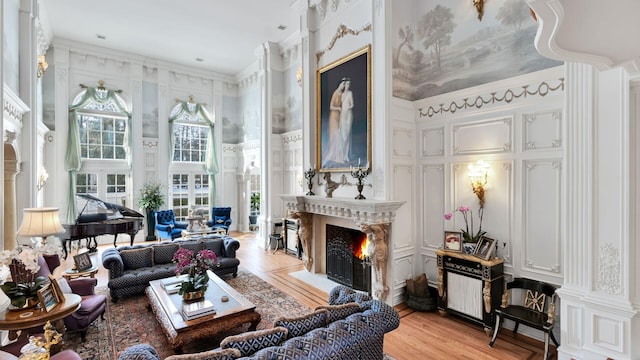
(373, 217)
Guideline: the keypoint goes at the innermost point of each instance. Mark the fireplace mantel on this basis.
(373, 217)
(360, 211)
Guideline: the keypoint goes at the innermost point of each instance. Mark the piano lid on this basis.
(121, 210)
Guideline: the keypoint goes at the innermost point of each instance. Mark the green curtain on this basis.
(210, 159)
(73, 160)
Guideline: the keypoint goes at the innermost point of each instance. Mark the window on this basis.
(105, 185)
(101, 137)
(189, 179)
(189, 189)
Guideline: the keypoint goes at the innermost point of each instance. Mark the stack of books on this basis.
(172, 285)
(197, 309)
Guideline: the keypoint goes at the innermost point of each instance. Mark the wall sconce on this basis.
(479, 4)
(42, 65)
(299, 76)
(42, 178)
(478, 174)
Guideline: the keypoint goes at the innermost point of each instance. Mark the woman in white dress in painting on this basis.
(334, 151)
(346, 120)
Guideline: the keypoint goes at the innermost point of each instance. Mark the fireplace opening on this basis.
(347, 260)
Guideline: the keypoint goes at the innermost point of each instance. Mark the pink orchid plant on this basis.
(196, 266)
(468, 233)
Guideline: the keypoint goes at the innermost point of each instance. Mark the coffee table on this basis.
(167, 307)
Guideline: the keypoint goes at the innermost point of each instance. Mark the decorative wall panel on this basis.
(542, 183)
(542, 130)
(403, 269)
(433, 198)
(433, 142)
(403, 143)
(608, 333)
(484, 137)
(404, 190)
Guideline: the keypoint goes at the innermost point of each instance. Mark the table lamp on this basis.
(40, 222)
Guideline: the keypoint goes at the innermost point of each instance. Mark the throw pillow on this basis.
(220, 219)
(217, 354)
(301, 325)
(194, 246)
(339, 312)
(137, 258)
(250, 342)
(163, 254)
(214, 245)
(64, 286)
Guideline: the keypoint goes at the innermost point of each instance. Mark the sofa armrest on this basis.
(227, 222)
(180, 225)
(230, 246)
(162, 227)
(139, 352)
(342, 294)
(112, 261)
(83, 286)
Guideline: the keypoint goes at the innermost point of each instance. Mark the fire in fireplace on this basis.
(347, 260)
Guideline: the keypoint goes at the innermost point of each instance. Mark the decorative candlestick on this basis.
(360, 174)
(309, 175)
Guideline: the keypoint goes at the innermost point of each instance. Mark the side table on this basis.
(73, 274)
(24, 319)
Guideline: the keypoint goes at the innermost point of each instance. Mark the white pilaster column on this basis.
(597, 314)
(137, 167)
(59, 175)
(309, 67)
(162, 157)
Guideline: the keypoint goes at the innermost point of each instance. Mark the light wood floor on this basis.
(420, 335)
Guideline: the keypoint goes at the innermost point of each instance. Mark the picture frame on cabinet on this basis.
(343, 113)
(485, 248)
(452, 241)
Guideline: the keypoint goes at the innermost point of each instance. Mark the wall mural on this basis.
(149, 109)
(232, 132)
(446, 48)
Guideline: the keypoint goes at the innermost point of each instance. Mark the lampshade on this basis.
(40, 222)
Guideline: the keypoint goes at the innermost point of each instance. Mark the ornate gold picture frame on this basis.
(343, 113)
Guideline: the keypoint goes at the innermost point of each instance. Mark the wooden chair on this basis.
(537, 311)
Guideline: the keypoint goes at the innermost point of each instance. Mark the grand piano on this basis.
(109, 219)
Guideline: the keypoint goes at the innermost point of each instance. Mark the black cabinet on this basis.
(470, 287)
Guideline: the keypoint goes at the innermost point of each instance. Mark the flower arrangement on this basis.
(23, 263)
(468, 234)
(196, 266)
(151, 197)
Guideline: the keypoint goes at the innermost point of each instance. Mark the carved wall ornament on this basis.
(609, 270)
(378, 235)
(508, 96)
(306, 233)
(341, 32)
(291, 139)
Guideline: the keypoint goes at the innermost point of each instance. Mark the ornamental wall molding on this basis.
(230, 148)
(609, 267)
(542, 90)
(291, 139)
(13, 107)
(41, 38)
(150, 144)
(341, 32)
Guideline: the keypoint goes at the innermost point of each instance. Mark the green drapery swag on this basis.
(210, 159)
(73, 160)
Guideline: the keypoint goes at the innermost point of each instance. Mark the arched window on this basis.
(193, 160)
(98, 158)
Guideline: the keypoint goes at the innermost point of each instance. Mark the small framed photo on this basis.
(485, 248)
(48, 297)
(83, 262)
(56, 287)
(452, 241)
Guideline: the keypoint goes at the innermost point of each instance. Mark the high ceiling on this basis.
(223, 33)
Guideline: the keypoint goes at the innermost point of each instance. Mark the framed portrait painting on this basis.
(343, 120)
(83, 262)
(485, 248)
(452, 241)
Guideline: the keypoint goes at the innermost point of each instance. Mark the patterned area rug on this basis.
(128, 322)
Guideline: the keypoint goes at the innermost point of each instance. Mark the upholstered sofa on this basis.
(351, 327)
(132, 267)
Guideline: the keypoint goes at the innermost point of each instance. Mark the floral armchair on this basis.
(167, 226)
(220, 218)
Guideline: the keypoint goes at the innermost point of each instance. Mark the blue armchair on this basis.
(220, 218)
(167, 226)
